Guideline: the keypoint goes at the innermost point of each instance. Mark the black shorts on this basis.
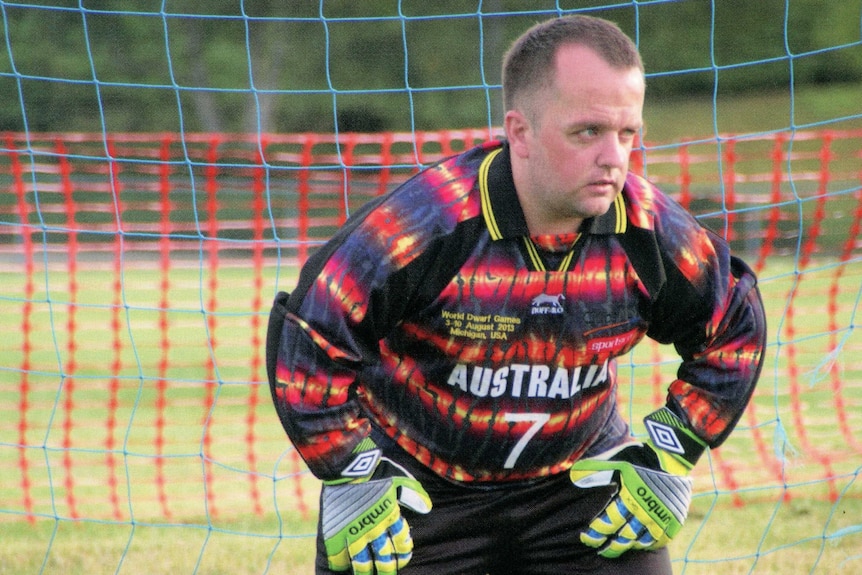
(524, 529)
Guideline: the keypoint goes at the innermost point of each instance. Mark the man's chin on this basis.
(597, 207)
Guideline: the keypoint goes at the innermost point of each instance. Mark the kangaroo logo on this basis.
(547, 304)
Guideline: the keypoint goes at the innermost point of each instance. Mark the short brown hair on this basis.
(529, 63)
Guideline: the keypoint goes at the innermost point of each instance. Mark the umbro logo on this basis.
(664, 436)
(363, 464)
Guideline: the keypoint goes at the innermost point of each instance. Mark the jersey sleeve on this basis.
(310, 380)
(350, 295)
(710, 309)
(326, 331)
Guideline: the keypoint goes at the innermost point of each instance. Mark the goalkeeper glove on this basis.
(361, 519)
(653, 487)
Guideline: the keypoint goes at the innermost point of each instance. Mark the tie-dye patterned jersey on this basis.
(489, 355)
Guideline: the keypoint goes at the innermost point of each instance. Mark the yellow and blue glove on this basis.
(653, 487)
(361, 520)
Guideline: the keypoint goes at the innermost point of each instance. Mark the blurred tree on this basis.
(269, 65)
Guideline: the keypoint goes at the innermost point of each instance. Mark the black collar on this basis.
(502, 210)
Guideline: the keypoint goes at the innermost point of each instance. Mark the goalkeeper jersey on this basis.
(434, 317)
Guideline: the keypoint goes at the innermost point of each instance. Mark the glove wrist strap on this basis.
(366, 456)
(668, 433)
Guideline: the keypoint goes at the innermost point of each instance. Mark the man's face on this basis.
(571, 152)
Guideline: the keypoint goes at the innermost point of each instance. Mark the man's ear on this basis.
(518, 132)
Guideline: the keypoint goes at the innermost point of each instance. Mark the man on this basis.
(446, 363)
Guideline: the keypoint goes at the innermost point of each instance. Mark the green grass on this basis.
(771, 538)
(781, 538)
(229, 508)
(250, 545)
(809, 107)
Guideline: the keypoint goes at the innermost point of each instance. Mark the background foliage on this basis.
(269, 65)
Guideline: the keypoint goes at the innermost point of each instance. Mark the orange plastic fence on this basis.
(171, 205)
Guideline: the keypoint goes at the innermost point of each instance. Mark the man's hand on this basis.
(653, 488)
(361, 521)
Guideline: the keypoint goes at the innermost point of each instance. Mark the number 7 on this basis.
(538, 419)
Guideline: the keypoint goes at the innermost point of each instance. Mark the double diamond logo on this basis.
(363, 464)
(664, 436)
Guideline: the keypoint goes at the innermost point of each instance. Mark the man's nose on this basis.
(614, 152)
